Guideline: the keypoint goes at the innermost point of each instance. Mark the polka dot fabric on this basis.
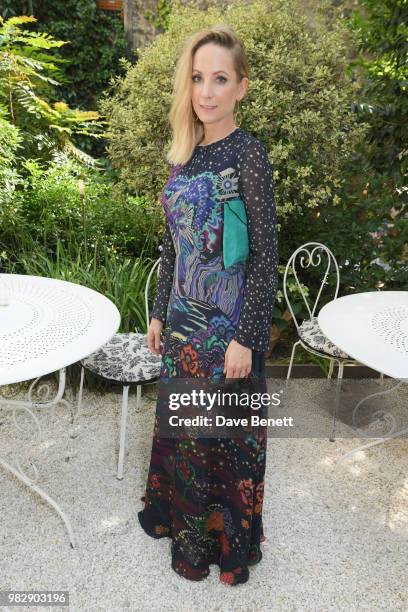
(206, 494)
(257, 189)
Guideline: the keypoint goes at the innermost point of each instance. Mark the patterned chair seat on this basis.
(311, 334)
(125, 358)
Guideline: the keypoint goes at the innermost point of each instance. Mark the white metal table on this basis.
(372, 328)
(46, 325)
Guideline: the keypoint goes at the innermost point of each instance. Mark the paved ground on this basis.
(336, 537)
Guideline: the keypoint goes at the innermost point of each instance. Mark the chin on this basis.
(209, 119)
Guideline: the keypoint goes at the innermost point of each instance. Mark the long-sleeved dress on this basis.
(207, 494)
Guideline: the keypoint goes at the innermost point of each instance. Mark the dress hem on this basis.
(231, 577)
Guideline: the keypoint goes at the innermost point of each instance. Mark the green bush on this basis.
(95, 42)
(47, 210)
(28, 72)
(382, 30)
(366, 233)
(10, 139)
(298, 103)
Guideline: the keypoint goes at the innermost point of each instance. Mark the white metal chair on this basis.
(310, 335)
(125, 359)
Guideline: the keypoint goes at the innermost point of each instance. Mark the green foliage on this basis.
(26, 75)
(48, 229)
(47, 210)
(160, 16)
(95, 41)
(368, 244)
(10, 140)
(382, 28)
(332, 186)
(298, 102)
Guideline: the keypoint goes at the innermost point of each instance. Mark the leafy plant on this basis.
(298, 101)
(47, 209)
(382, 30)
(10, 139)
(95, 40)
(26, 74)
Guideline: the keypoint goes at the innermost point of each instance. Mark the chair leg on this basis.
(81, 386)
(291, 361)
(381, 378)
(123, 431)
(138, 397)
(329, 375)
(337, 400)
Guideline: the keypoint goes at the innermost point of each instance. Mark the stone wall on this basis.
(139, 30)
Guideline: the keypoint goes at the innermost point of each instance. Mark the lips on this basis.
(207, 107)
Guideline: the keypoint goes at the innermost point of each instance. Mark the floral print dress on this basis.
(206, 494)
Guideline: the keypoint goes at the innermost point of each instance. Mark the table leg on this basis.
(390, 434)
(27, 406)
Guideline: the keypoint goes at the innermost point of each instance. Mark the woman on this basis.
(207, 494)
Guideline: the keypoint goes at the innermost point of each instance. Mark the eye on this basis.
(197, 76)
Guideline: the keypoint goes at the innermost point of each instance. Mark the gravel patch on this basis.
(336, 537)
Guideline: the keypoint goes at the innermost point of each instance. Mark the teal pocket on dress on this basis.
(235, 238)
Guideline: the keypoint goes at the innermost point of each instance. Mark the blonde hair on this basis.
(187, 127)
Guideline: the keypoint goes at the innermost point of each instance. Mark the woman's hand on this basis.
(153, 336)
(238, 360)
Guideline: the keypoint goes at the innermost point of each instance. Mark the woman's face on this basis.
(215, 89)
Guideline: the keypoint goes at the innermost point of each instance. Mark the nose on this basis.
(207, 91)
